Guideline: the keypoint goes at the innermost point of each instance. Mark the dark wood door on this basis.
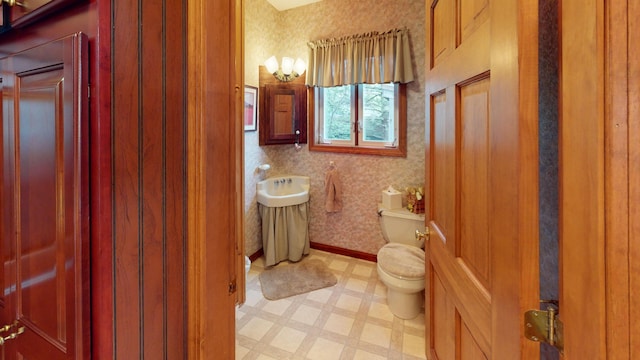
(481, 167)
(45, 302)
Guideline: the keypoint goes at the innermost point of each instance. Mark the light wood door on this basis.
(45, 202)
(482, 176)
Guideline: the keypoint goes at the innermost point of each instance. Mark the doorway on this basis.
(548, 158)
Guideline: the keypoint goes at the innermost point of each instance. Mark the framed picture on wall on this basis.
(250, 108)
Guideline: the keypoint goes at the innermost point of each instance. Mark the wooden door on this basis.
(45, 201)
(481, 171)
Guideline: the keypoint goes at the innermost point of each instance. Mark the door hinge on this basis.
(232, 286)
(544, 326)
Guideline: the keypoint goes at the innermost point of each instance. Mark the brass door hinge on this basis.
(544, 326)
(232, 286)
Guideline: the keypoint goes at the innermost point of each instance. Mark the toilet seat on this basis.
(402, 261)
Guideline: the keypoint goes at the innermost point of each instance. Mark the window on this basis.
(365, 118)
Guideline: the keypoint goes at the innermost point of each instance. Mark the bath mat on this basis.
(287, 280)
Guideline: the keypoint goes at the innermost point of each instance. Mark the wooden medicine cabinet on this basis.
(283, 110)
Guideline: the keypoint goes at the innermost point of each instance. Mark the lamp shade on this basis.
(299, 67)
(271, 64)
(287, 65)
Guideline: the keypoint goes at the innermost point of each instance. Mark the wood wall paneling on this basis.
(128, 324)
(149, 162)
(175, 210)
(138, 172)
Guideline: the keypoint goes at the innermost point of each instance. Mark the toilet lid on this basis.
(401, 260)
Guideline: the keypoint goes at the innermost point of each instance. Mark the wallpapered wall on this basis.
(269, 32)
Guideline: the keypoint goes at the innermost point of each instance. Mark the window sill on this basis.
(394, 152)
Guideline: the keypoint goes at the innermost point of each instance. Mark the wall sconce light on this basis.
(290, 70)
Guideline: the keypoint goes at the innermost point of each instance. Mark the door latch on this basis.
(544, 326)
(232, 286)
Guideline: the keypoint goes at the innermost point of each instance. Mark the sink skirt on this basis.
(285, 232)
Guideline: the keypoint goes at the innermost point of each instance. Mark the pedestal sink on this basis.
(283, 191)
(283, 204)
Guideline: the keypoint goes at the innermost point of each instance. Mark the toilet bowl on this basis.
(247, 267)
(401, 265)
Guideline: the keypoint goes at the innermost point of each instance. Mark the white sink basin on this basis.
(283, 191)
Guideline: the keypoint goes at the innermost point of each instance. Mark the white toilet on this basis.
(401, 261)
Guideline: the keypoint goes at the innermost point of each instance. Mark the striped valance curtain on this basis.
(371, 58)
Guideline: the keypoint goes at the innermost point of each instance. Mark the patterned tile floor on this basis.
(350, 320)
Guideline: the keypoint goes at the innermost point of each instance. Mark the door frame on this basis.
(215, 244)
(598, 174)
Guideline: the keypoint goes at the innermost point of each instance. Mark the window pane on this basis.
(378, 112)
(337, 113)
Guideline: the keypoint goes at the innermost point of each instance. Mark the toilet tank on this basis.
(400, 225)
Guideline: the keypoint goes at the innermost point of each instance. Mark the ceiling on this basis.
(282, 5)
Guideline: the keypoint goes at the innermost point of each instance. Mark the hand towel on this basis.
(333, 191)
